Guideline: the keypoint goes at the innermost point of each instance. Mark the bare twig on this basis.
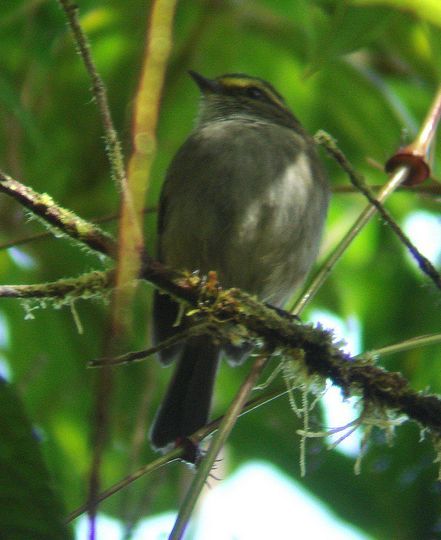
(408, 166)
(432, 189)
(132, 357)
(406, 345)
(177, 453)
(117, 167)
(130, 233)
(344, 243)
(359, 182)
(216, 444)
(146, 469)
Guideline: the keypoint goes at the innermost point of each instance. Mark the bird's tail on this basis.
(186, 405)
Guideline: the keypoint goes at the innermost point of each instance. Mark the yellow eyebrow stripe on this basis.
(237, 82)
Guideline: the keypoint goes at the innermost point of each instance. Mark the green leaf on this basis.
(346, 29)
(29, 506)
(427, 10)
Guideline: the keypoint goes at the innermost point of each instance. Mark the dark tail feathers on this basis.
(186, 405)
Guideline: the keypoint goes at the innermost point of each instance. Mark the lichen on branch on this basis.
(65, 221)
(360, 377)
(65, 290)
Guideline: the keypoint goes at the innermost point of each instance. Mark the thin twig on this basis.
(408, 344)
(358, 181)
(130, 232)
(146, 469)
(177, 453)
(135, 356)
(113, 146)
(432, 189)
(345, 242)
(216, 444)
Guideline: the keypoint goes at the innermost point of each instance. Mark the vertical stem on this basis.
(99, 90)
(130, 234)
(147, 102)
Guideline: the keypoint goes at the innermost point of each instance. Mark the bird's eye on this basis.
(255, 93)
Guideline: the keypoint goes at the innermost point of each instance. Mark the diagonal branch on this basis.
(358, 181)
(43, 206)
(226, 425)
(47, 234)
(130, 244)
(322, 357)
(397, 178)
(177, 453)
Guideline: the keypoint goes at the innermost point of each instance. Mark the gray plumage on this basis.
(245, 196)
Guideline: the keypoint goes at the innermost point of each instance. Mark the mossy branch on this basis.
(64, 290)
(388, 389)
(113, 145)
(63, 220)
(322, 356)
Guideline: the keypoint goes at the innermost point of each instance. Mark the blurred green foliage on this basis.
(366, 71)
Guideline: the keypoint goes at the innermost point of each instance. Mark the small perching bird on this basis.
(245, 196)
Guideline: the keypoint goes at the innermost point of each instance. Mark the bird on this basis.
(245, 196)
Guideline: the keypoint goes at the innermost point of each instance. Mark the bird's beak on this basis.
(206, 86)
